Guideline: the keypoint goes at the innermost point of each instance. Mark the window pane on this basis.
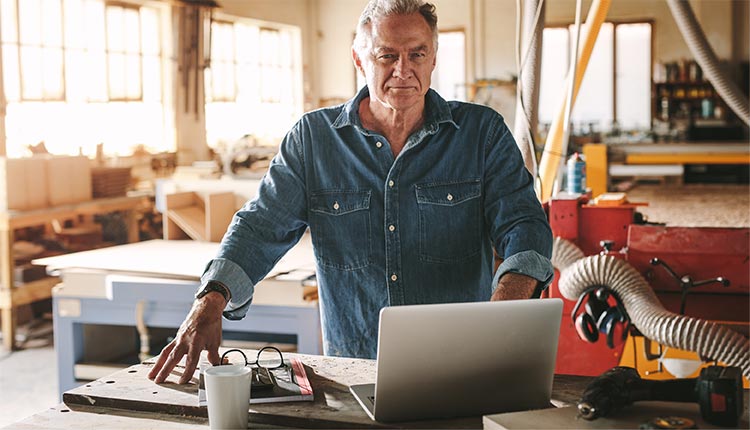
(248, 82)
(94, 25)
(554, 68)
(12, 83)
(116, 68)
(115, 29)
(75, 37)
(132, 42)
(31, 70)
(594, 103)
(96, 78)
(53, 79)
(8, 21)
(151, 79)
(449, 77)
(150, 31)
(633, 48)
(133, 77)
(30, 22)
(77, 76)
(222, 42)
(248, 38)
(52, 23)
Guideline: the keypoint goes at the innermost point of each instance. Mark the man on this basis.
(405, 196)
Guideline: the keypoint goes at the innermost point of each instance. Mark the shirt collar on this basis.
(438, 111)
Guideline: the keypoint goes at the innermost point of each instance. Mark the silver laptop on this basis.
(463, 359)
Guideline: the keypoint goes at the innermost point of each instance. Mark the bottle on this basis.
(576, 174)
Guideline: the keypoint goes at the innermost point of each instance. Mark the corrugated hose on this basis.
(708, 339)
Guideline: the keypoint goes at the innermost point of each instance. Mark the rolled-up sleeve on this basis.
(264, 229)
(518, 225)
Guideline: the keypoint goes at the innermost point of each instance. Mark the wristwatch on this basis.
(213, 286)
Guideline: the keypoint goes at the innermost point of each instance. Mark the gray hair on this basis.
(377, 9)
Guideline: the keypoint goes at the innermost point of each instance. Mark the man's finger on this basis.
(174, 358)
(160, 361)
(213, 355)
(190, 365)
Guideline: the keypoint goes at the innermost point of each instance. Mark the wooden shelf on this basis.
(12, 296)
(29, 292)
(202, 218)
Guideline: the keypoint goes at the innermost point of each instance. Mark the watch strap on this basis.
(214, 286)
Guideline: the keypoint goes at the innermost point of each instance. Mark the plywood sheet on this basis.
(183, 259)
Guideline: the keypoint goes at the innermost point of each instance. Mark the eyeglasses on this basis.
(268, 357)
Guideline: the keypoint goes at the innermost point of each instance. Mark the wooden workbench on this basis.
(129, 399)
(12, 296)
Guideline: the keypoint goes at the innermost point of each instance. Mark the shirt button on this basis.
(450, 197)
(336, 205)
(392, 227)
(394, 278)
(379, 144)
(391, 184)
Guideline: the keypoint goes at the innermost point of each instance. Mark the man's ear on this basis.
(357, 61)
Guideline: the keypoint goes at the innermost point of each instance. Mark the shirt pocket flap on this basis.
(448, 194)
(339, 202)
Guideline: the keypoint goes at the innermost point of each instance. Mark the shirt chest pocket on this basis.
(340, 228)
(450, 220)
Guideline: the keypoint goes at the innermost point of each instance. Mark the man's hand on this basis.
(200, 330)
(514, 286)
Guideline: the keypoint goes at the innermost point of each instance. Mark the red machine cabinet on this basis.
(701, 253)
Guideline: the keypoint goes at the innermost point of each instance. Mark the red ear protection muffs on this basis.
(601, 316)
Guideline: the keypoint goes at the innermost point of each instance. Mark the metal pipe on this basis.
(706, 58)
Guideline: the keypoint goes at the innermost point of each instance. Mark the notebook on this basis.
(463, 359)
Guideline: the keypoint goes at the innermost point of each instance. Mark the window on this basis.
(616, 86)
(254, 83)
(449, 76)
(77, 73)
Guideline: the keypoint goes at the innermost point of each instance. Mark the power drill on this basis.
(718, 391)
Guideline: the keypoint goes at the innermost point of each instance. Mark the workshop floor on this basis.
(28, 377)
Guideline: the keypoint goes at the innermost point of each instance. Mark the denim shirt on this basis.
(413, 229)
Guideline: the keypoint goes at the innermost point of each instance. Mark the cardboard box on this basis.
(68, 180)
(23, 183)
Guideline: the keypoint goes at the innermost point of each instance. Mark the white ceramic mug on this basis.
(228, 396)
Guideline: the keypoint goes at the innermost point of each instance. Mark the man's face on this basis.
(398, 60)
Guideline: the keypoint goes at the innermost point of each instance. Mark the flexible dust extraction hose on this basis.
(706, 58)
(706, 338)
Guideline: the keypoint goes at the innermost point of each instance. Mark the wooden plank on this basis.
(30, 292)
(19, 219)
(191, 219)
(330, 377)
(179, 200)
(219, 212)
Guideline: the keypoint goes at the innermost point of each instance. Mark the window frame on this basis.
(615, 23)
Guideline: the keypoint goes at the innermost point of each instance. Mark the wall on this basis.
(490, 29)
